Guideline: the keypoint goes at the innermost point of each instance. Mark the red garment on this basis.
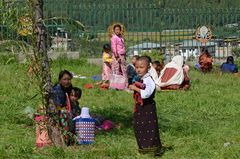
(88, 86)
(168, 73)
(184, 86)
(137, 96)
(205, 61)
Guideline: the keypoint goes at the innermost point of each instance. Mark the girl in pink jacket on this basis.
(119, 81)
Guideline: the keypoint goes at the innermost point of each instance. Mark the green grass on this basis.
(195, 123)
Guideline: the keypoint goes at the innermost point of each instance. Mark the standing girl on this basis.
(107, 61)
(145, 113)
(119, 78)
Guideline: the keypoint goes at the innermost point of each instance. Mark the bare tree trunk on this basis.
(40, 51)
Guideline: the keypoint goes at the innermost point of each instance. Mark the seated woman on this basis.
(229, 66)
(174, 76)
(205, 61)
(62, 89)
(60, 93)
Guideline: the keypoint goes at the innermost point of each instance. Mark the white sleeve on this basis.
(150, 87)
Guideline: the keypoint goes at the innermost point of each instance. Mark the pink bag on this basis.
(107, 125)
(117, 82)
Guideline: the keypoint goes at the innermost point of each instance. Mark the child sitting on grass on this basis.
(131, 69)
(145, 114)
(74, 97)
(157, 66)
(101, 122)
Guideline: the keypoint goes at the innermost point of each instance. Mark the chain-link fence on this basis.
(82, 27)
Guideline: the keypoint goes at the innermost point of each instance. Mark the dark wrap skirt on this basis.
(146, 128)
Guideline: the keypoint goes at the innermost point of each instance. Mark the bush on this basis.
(237, 62)
(156, 55)
(236, 52)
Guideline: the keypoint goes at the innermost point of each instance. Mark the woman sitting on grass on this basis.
(63, 87)
(205, 61)
(174, 75)
(229, 66)
(60, 93)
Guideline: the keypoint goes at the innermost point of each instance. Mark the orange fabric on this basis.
(205, 62)
(88, 86)
(168, 74)
(42, 138)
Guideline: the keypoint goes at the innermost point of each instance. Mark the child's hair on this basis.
(149, 58)
(136, 57)
(77, 92)
(205, 51)
(156, 63)
(117, 25)
(62, 73)
(106, 47)
(144, 58)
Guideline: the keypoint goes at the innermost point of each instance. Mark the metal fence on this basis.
(82, 27)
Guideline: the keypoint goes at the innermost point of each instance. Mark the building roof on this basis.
(145, 45)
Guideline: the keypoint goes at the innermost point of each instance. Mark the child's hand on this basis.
(132, 87)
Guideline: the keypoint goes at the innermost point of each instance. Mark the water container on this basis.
(85, 130)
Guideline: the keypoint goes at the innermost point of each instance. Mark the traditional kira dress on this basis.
(118, 68)
(107, 60)
(145, 117)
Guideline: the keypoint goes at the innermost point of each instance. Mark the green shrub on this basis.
(236, 52)
(156, 55)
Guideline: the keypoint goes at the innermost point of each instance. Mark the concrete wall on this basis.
(52, 55)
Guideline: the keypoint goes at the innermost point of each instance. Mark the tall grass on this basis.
(196, 123)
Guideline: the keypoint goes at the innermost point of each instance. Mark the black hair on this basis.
(205, 51)
(149, 58)
(156, 63)
(230, 60)
(117, 25)
(106, 47)
(136, 56)
(62, 73)
(144, 58)
(77, 92)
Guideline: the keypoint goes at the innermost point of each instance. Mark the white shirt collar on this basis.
(145, 76)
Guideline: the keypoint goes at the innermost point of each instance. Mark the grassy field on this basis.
(195, 123)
